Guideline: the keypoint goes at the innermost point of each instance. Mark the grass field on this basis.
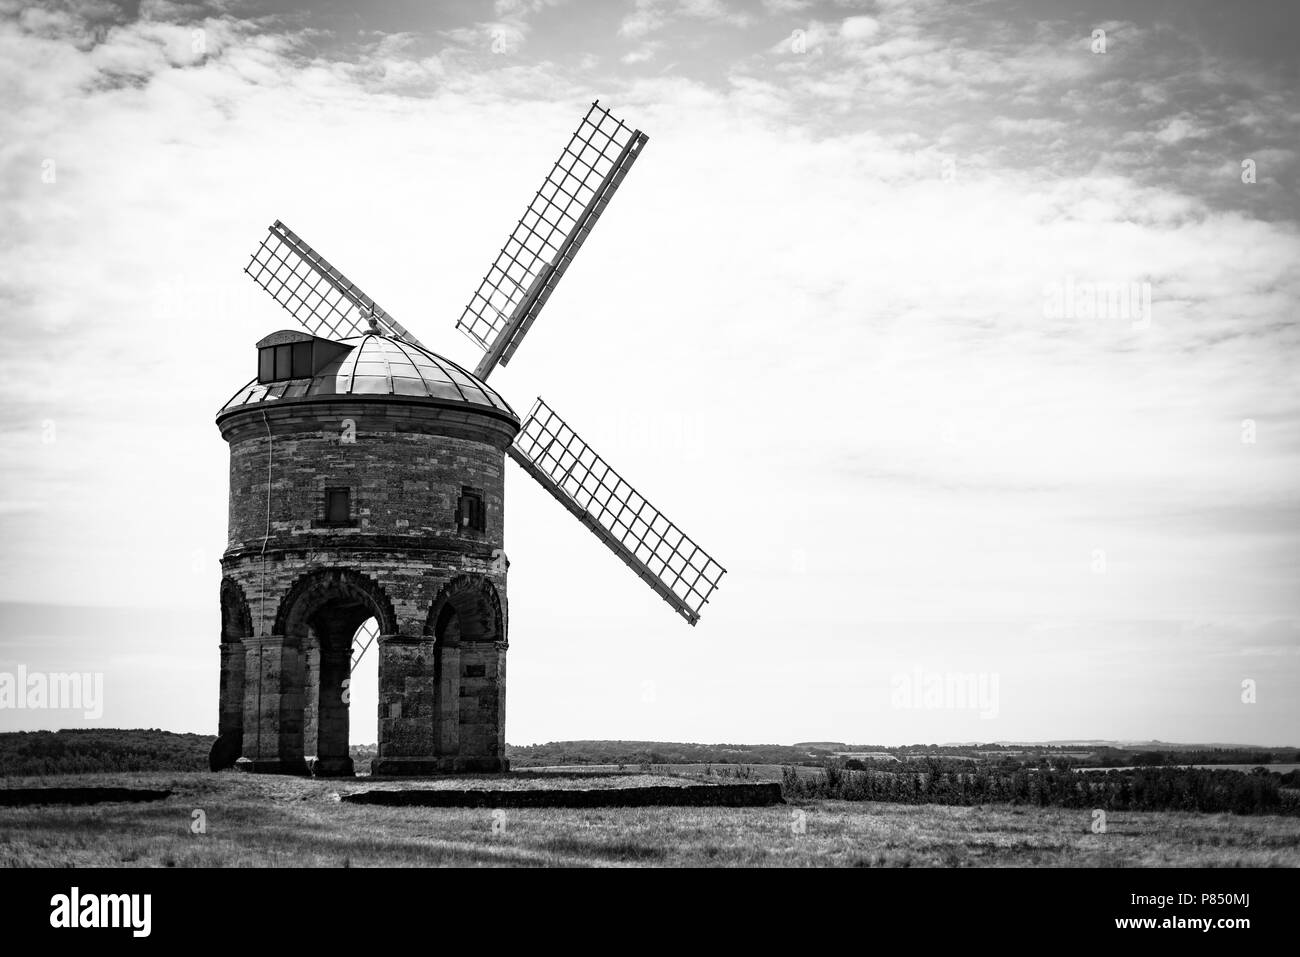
(277, 821)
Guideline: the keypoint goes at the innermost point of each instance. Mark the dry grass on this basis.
(276, 821)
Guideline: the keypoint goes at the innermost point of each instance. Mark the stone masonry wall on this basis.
(441, 708)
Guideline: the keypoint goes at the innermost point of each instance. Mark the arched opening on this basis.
(468, 629)
(466, 609)
(236, 625)
(327, 667)
(363, 692)
(321, 619)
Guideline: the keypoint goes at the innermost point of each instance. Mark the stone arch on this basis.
(316, 621)
(324, 585)
(236, 625)
(467, 608)
(236, 619)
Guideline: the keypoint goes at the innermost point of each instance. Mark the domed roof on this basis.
(380, 366)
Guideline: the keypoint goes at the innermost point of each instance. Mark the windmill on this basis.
(504, 307)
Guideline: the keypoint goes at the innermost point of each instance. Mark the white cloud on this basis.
(1179, 128)
(859, 28)
(649, 16)
(641, 54)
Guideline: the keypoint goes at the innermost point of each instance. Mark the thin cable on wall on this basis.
(266, 537)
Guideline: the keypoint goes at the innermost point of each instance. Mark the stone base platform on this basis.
(689, 795)
(409, 767)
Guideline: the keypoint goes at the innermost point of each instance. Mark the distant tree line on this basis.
(956, 758)
(1138, 789)
(31, 753)
(113, 749)
(637, 753)
(1211, 756)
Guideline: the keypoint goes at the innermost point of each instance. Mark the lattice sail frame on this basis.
(549, 234)
(659, 552)
(325, 301)
(362, 640)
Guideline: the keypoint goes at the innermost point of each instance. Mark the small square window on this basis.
(470, 514)
(338, 506)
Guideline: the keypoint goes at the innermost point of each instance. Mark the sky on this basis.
(846, 322)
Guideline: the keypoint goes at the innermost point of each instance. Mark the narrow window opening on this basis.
(338, 506)
(283, 362)
(301, 360)
(470, 514)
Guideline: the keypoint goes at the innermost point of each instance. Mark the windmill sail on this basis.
(362, 640)
(548, 235)
(320, 297)
(664, 557)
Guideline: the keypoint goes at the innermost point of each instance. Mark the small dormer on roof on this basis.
(289, 354)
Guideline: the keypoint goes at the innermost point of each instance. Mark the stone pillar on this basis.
(230, 716)
(477, 704)
(330, 755)
(448, 704)
(408, 742)
(498, 745)
(311, 700)
(482, 707)
(273, 706)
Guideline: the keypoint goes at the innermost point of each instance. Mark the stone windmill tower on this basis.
(367, 484)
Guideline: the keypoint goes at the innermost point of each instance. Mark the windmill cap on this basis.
(375, 366)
